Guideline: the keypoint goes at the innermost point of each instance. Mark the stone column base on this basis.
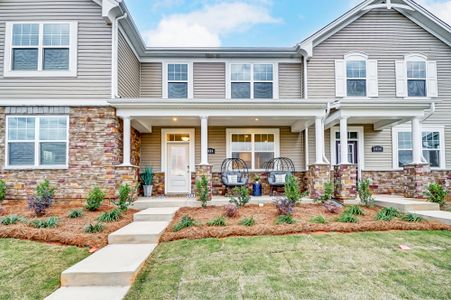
(416, 178)
(205, 170)
(345, 182)
(317, 176)
(124, 175)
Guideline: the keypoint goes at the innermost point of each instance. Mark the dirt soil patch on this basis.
(69, 231)
(265, 218)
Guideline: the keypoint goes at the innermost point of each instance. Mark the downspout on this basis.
(305, 78)
(430, 113)
(114, 56)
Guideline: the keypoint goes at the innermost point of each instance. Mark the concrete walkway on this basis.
(108, 273)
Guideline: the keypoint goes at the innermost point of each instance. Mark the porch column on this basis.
(344, 141)
(204, 140)
(126, 141)
(416, 142)
(319, 140)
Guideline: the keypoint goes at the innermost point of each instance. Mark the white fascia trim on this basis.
(55, 102)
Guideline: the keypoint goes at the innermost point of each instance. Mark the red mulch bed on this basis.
(69, 231)
(265, 223)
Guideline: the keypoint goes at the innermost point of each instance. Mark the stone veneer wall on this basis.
(95, 150)
(385, 182)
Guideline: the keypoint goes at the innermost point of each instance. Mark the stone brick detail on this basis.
(345, 181)
(205, 170)
(317, 176)
(385, 182)
(158, 184)
(127, 175)
(417, 178)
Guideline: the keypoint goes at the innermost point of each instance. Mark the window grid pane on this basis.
(177, 90)
(56, 34)
(241, 90)
(21, 129)
(416, 69)
(263, 72)
(52, 153)
(177, 72)
(241, 72)
(56, 59)
(25, 34)
(356, 69)
(263, 90)
(356, 87)
(53, 128)
(430, 145)
(25, 59)
(21, 154)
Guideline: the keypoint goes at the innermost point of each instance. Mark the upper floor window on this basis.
(40, 49)
(251, 81)
(416, 78)
(356, 78)
(177, 80)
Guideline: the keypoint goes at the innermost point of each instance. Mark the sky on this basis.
(242, 23)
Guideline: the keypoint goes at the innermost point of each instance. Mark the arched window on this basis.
(416, 75)
(356, 75)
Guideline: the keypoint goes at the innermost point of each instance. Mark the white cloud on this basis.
(205, 27)
(441, 9)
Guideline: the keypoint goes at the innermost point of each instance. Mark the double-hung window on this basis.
(416, 78)
(356, 78)
(177, 80)
(41, 49)
(252, 81)
(254, 146)
(37, 141)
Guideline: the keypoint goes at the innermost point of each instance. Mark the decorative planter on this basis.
(257, 189)
(147, 190)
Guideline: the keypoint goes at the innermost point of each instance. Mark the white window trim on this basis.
(413, 58)
(252, 132)
(360, 140)
(407, 128)
(274, 81)
(356, 56)
(37, 142)
(165, 83)
(72, 72)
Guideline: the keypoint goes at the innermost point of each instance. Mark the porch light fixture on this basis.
(174, 119)
(185, 138)
(256, 119)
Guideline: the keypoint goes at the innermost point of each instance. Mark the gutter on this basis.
(430, 113)
(114, 56)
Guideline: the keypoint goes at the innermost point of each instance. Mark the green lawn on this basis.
(31, 270)
(325, 266)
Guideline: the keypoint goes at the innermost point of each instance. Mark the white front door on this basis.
(178, 172)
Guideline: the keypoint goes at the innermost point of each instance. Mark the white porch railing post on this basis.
(204, 140)
(319, 140)
(416, 141)
(126, 141)
(344, 141)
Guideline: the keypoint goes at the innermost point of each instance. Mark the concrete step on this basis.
(113, 265)
(138, 233)
(155, 214)
(437, 216)
(145, 203)
(405, 204)
(90, 293)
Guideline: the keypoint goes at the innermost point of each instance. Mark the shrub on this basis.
(365, 195)
(284, 206)
(411, 218)
(2, 190)
(284, 219)
(185, 222)
(318, 220)
(43, 198)
(125, 197)
(292, 192)
(94, 227)
(240, 196)
(203, 191)
(354, 210)
(328, 192)
(219, 221)
(230, 210)
(147, 176)
(436, 193)
(95, 199)
(110, 216)
(387, 214)
(347, 218)
(51, 222)
(75, 213)
(12, 219)
(249, 221)
(332, 206)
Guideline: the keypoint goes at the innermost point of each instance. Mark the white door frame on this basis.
(360, 140)
(164, 151)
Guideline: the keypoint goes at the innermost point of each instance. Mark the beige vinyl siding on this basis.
(128, 70)
(291, 81)
(384, 35)
(94, 51)
(151, 80)
(209, 80)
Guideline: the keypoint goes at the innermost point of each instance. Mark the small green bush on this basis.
(94, 227)
(203, 191)
(2, 190)
(347, 218)
(75, 213)
(387, 214)
(411, 218)
(110, 216)
(249, 221)
(95, 199)
(328, 192)
(354, 210)
(240, 196)
(291, 190)
(185, 222)
(43, 198)
(318, 220)
(12, 219)
(436, 193)
(365, 195)
(219, 221)
(125, 197)
(51, 222)
(285, 219)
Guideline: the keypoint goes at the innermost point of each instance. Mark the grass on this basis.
(32, 270)
(366, 265)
